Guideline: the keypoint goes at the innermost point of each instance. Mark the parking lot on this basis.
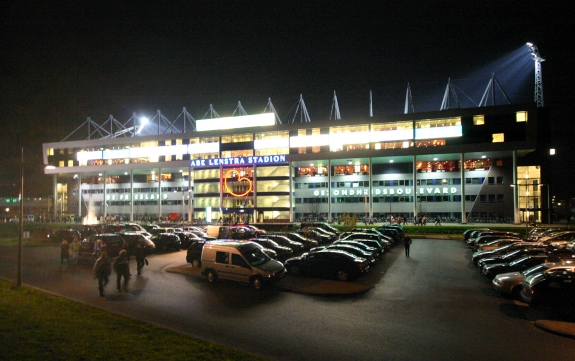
(432, 305)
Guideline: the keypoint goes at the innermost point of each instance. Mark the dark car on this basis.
(373, 250)
(397, 227)
(355, 250)
(132, 240)
(332, 236)
(508, 257)
(554, 285)
(165, 241)
(282, 252)
(315, 235)
(187, 238)
(111, 243)
(194, 254)
(307, 243)
(295, 246)
(518, 265)
(475, 257)
(323, 225)
(375, 240)
(383, 238)
(65, 234)
(336, 264)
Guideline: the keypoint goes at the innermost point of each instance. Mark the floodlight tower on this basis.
(538, 76)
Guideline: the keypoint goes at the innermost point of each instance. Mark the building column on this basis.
(291, 197)
(516, 206)
(329, 190)
(414, 179)
(190, 196)
(79, 179)
(131, 195)
(255, 194)
(105, 202)
(462, 176)
(55, 197)
(159, 194)
(370, 190)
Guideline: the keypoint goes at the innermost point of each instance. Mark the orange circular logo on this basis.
(240, 179)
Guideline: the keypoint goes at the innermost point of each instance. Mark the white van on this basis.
(241, 261)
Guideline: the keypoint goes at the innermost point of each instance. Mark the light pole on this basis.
(548, 203)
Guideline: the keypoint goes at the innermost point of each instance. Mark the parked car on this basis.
(64, 234)
(194, 253)
(510, 282)
(259, 232)
(508, 257)
(295, 246)
(372, 250)
(364, 237)
(323, 225)
(336, 264)
(239, 261)
(124, 227)
(498, 243)
(353, 249)
(315, 235)
(397, 227)
(332, 236)
(475, 257)
(132, 239)
(165, 241)
(111, 242)
(307, 243)
(282, 252)
(553, 285)
(519, 264)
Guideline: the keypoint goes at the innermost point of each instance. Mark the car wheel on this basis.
(196, 263)
(294, 270)
(211, 276)
(342, 276)
(257, 283)
(516, 292)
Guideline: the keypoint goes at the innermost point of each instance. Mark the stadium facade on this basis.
(456, 164)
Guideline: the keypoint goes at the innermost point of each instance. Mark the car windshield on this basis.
(253, 255)
(512, 254)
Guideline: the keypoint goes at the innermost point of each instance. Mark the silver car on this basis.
(511, 282)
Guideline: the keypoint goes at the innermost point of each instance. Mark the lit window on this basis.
(478, 120)
(70, 163)
(521, 117)
(61, 164)
(498, 138)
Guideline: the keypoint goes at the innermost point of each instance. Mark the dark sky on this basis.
(65, 61)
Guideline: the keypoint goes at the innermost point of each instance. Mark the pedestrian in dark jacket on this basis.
(407, 244)
(102, 269)
(122, 268)
(64, 252)
(140, 254)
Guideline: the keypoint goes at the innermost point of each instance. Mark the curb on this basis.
(561, 328)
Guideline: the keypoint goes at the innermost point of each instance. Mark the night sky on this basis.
(65, 61)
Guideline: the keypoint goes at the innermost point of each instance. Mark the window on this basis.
(490, 180)
(498, 138)
(478, 120)
(521, 117)
(482, 198)
(499, 180)
(222, 257)
(500, 198)
(237, 260)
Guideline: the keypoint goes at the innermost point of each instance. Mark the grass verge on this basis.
(39, 326)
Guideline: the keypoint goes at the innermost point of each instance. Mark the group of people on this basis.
(104, 263)
(69, 252)
(121, 265)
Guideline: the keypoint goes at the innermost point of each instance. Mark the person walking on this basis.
(98, 247)
(406, 244)
(140, 254)
(75, 250)
(64, 253)
(122, 268)
(102, 269)
(438, 221)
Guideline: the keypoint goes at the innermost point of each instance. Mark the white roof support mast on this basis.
(538, 76)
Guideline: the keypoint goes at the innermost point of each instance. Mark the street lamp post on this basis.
(548, 203)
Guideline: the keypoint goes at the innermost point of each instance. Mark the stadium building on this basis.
(458, 164)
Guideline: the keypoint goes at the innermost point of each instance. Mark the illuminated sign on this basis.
(137, 197)
(247, 121)
(240, 179)
(387, 191)
(238, 161)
